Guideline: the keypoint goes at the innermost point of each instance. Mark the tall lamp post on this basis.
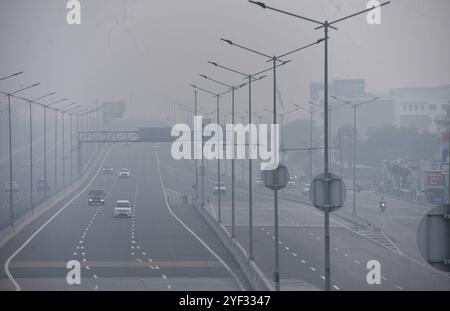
(31, 145)
(217, 96)
(251, 78)
(274, 60)
(326, 26)
(355, 107)
(233, 90)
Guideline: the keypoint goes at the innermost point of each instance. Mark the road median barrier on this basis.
(254, 275)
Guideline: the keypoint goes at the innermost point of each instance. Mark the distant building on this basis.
(418, 107)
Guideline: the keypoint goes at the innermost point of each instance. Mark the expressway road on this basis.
(162, 247)
(301, 240)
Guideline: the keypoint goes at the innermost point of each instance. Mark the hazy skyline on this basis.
(151, 50)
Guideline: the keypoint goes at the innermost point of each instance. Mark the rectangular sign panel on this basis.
(156, 134)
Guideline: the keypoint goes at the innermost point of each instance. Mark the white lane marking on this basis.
(75, 253)
(313, 211)
(323, 277)
(335, 287)
(357, 262)
(169, 287)
(88, 268)
(383, 278)
(139, 260)
(399, 287)
(303, 261)
(8, 261)
(294, 254)
(346, 255)
(95, 276)
(286, 248)
(312, 268)
(96, 287)
(164, 277)
(192, 232)
(336, 249)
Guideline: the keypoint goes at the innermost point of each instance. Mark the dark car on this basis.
(96, 197)
(107, 171)
(42, 185)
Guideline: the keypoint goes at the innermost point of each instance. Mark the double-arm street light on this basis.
(274, 60)
(56, 139)
(355, 107)
(217, 96)
(48, 106)
(251, 78)
(326, 25)
(233, 89)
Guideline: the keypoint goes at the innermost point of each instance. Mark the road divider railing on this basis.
(254, 275)
(11, 231)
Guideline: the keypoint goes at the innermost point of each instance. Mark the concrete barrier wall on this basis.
(39, 210)
(250, 269)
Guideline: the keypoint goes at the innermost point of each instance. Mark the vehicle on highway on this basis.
(220, 187)
(96, 197)
(259, 181)
(15, 187)
(122, 208)
(124, 173)
(107, 171)
(292, 182)
(42, 185)
(305, 190)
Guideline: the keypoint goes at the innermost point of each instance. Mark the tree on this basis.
(391, 143)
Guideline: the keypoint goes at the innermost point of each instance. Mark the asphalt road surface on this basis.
(162, 247)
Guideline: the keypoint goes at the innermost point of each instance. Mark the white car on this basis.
(292, 181)
(122, 208)
(306, 189)
(124, 173)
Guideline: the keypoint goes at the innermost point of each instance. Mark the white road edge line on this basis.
(192, 232)
(8, 261)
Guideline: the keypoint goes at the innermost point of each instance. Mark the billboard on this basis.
(114, 110)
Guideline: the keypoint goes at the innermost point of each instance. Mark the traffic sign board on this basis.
(328, 192)
(276, 179)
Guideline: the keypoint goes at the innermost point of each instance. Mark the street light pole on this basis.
(325, 25)
(355, 107)
(233, 179)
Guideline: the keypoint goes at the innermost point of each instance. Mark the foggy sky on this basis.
(151, 50)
